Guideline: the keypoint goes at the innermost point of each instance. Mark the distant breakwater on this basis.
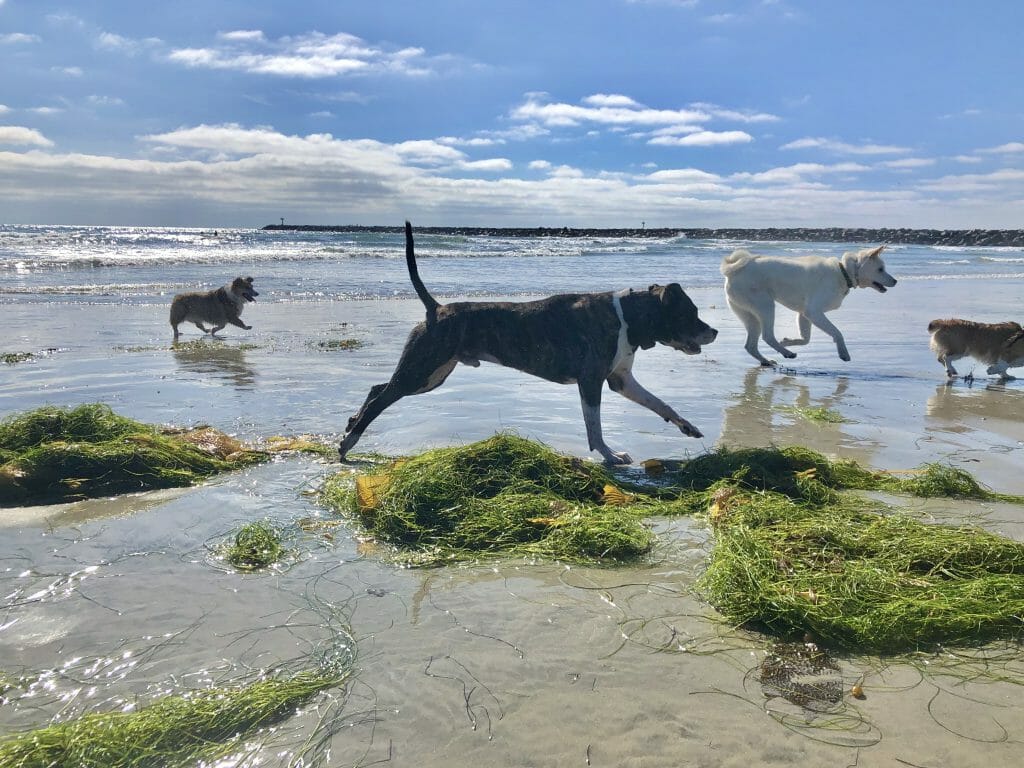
(952, 237)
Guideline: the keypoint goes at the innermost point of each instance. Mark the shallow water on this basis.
(509, 663)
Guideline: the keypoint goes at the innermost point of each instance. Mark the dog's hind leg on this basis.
(202, 327)
(804, 325)
(765, 308)
(999, 368)
(383, 395)
(758, 325)
(590, 399)
(753, 326)
(630, 388)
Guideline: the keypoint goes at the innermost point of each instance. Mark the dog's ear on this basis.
(875, 252)
(672, 293)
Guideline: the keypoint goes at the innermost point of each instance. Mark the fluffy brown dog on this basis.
(218, 307)
(998, 345)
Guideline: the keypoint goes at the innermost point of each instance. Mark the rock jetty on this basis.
(952, 237)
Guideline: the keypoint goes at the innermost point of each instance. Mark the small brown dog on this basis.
(998, 345)
(218, 307)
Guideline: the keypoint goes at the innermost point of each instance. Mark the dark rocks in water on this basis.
(951, 237)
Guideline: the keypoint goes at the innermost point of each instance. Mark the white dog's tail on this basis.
(735, 260)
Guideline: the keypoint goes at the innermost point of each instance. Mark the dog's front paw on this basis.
(247, 327)
(615, 458)
(788, 355)
(689, 430)
(844, 356)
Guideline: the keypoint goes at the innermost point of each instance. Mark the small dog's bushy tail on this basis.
(735, 260)
(421, 290)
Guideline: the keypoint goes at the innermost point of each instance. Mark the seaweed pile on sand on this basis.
(54, 455)
(503, 495)
(794, 553)
(197, 727)
(812, 562)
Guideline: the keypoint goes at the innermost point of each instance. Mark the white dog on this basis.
(808, 285)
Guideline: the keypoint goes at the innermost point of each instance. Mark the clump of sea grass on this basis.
(53, 454)
(334, 345)
(256, 545)
(942, 480)
(795, 470)
(13, 358)
(776, 469)
(300, 444)
(180, 730)
(859, 579)
(501, 495)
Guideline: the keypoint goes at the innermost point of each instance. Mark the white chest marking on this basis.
(623, 360)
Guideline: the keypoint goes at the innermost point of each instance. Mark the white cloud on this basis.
(798, 173)
(565, 115)
(254, 173)
(683, 175)
(69, 71)
(16, 38)
(908, 163)
(1013, 147)
(45, 111)
(477, 141)
(247, 35)
(110, 41)
(703, 139)
(494, 165)
(4, 108)
(16, 134)
(979, 182)
(967, 158)
(610, 100)
(844, 148)
(312, 56)
(742, 116)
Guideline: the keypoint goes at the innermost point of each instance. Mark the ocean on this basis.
(148, 265)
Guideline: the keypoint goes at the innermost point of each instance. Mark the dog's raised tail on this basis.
(734, 261)
(421, 290)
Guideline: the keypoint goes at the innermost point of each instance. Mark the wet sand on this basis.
(500, 664)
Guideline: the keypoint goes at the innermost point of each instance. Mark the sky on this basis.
(577, 113)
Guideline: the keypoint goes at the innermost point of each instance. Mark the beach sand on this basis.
(511, 664)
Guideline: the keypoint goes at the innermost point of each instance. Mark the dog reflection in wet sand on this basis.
(216, 308)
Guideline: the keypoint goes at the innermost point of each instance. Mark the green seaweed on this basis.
(179, 730)
(256, 545)
(54, 454)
